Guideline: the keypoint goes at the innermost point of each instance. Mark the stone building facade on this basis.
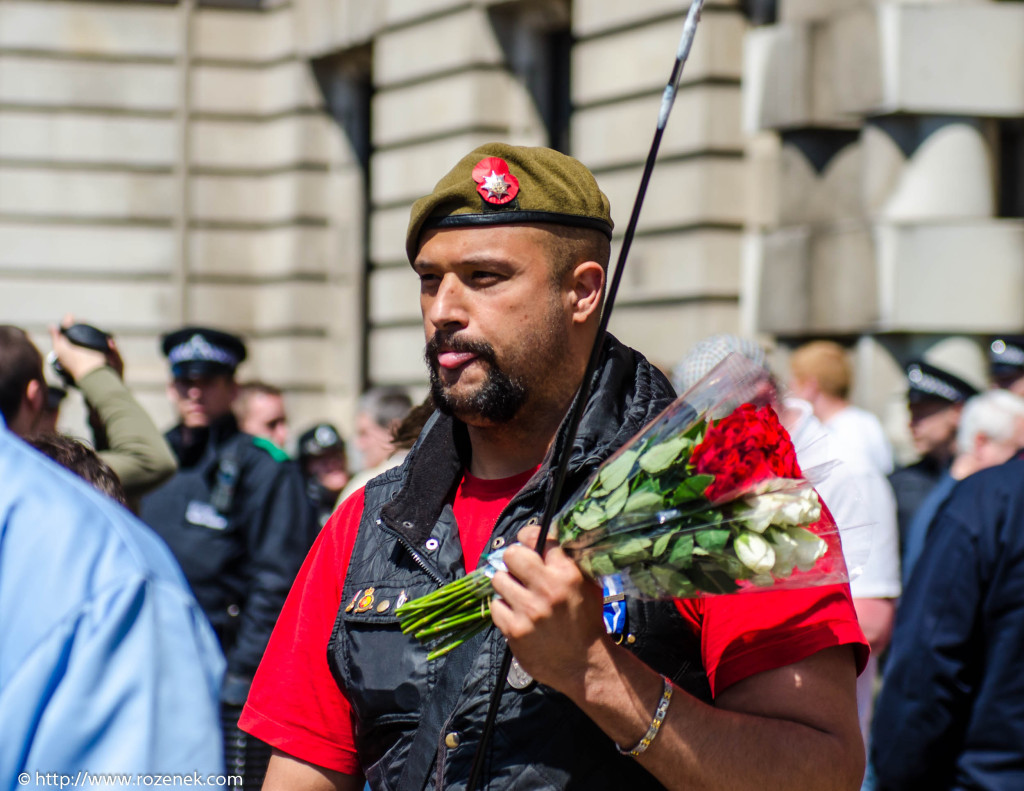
(841, 168)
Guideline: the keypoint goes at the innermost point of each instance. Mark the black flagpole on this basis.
(554, 495)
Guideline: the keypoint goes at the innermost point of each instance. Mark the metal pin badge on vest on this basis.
(403, 597)
(366, 602)
(517, 677)
(352, 604)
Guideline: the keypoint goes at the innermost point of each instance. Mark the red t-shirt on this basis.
(296, 706)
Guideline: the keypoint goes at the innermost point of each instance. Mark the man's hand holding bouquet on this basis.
(707, 500)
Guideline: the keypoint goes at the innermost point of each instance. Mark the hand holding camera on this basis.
(79, 349)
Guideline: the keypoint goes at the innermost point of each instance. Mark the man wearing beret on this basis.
(511, 250)
(235, 518)
(935, 398)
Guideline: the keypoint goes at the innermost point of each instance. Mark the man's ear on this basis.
(35, 397)
(587, 290)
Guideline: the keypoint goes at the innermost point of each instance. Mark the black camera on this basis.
(81, 335)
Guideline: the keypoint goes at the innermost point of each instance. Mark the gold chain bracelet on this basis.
(655, 726)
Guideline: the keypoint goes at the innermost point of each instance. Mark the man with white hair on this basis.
(991, 430)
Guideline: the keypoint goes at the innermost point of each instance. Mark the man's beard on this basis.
(497, 400)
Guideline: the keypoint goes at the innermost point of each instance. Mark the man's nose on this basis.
(448, 306)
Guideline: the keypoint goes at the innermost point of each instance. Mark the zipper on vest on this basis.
(414, 553)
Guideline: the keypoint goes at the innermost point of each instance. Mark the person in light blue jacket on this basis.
(107, 664)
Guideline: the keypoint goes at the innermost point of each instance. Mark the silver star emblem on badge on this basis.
(496, 185)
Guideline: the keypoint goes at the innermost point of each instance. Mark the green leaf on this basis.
(673, 582)
(692, 488)
(733, 567)
(601, 564)
(643, 501)
(615, 474)
(713, 539)
(660, 545)
(708, 518)
(632, 550)
(641, 482)
(589, 518)
(661, 456)
(682, 552)
(644, 582)
(616, 500)
(711, 579)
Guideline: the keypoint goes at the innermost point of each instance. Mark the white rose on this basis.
(809, 547)
(800, 507)
(786, 548)
(754, 552)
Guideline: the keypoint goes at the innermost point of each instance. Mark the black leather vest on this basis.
(408, 545)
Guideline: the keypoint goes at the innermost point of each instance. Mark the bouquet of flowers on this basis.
(707, 500)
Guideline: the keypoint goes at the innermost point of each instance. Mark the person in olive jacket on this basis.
(236, 518)
(125, 436)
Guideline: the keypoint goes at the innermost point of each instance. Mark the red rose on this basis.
(744, 449)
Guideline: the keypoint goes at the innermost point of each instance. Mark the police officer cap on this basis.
(201, 351)
(926, 382)
(499, 184)
(321, 439)
(1006, 356)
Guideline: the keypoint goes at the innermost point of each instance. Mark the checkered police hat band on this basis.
(931, 385)
(198, 349)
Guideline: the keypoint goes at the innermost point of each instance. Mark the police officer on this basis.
(324, 464)
(1006, 363)
(235, 518)
(935, 398)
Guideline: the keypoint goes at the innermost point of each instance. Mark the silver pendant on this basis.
(517, 677)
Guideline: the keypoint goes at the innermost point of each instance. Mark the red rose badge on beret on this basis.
(494, 182)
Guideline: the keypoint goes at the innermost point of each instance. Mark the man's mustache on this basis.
(456, 343)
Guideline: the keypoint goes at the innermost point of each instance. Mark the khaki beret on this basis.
(499, 184)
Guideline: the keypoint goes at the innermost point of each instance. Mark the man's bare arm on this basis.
(287, 773)
(795, 727)
(876, 618)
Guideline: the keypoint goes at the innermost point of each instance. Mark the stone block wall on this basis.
(171, 163)
(877, 176)
(251, 164)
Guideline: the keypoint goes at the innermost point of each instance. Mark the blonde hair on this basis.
(826, 363)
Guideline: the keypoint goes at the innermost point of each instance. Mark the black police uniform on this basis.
(911, 484)
(321, 439)
(238, 523)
